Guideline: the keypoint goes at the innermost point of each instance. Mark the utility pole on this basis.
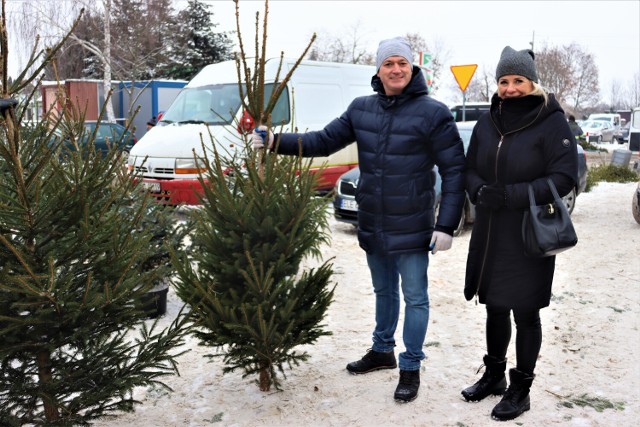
(533, 36)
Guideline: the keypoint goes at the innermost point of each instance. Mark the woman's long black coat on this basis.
(520, 141)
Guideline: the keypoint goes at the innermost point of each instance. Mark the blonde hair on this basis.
(539, 90)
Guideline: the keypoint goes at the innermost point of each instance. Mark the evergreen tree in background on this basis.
(260, 219)
(194, 44)
(141, 31)
(76, 260)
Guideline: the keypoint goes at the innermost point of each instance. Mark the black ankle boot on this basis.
(492, 381)
(516, 399)
(372, 361)
(408, 386)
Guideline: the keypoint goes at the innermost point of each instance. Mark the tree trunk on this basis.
(45, 377)
(111, 117)
(265, 384)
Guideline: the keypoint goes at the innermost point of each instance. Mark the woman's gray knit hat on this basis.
(397, 46)
(519, 62)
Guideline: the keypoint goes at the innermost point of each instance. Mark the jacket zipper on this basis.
(486, 243)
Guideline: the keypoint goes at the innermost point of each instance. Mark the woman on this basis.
(523, 140)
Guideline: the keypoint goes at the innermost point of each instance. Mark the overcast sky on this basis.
(473, 32)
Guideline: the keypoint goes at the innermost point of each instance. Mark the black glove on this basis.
(492, 196)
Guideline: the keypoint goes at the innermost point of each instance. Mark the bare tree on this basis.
(571, 74)
(632, 98)
(54, 19)
(348, 48)
(438, 52)
(125, 39)
(481, 87)
(616, 93)
(106, 58)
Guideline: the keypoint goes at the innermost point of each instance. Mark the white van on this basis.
(317, 93)
(614, 119)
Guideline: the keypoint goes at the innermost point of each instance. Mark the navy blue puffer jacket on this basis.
(399, 138)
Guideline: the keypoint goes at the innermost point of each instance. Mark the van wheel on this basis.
(458, 231)
(570, 200)
(460, 228)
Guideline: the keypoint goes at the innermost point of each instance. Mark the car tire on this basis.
(458, 231)
(460, 228)
(635, 209)
(570, 200)
(614, 140)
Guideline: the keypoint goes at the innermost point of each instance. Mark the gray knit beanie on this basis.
(519, 62)
(397, 46)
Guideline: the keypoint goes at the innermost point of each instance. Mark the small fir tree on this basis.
(259, 220)
(75, 262)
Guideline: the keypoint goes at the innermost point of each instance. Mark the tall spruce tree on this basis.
(194, 43)
(260, 219)
(76, 260)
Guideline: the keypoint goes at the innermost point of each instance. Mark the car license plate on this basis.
(350, 205)
(152, 187)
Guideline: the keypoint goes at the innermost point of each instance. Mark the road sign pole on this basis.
(464, 107)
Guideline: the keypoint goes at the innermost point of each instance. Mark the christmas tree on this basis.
(76, 261)
(260, 219)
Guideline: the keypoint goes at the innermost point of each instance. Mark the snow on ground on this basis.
(591, 346)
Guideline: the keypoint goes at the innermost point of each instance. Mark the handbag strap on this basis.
(553, 189)
(532, 198)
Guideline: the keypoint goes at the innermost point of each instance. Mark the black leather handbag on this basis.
(547, 229)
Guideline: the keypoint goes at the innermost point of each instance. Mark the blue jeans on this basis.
(386, 272)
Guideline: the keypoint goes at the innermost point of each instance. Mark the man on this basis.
(152, 122)
(575, 127)
(401, 133)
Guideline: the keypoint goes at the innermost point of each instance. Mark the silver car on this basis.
(598, 131)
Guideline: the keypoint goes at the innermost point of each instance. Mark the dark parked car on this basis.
(472, 111)
(621, 135)
(345, 207)
(107, 135)
(570, 199)
(635, 204)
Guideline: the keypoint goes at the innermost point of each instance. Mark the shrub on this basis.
(609, 173)
(589, 146)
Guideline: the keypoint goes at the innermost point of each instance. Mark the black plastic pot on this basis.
(154, 302)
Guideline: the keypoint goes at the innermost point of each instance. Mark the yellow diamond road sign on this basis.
(463, 74)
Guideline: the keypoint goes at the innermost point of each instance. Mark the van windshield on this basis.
(217, 105)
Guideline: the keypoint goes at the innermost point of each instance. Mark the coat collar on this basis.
(513, 114)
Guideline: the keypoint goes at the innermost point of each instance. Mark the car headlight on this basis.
(190, 166)
(131, 162)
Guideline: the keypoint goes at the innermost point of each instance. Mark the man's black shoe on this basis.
(408, 386)
(373, 361)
